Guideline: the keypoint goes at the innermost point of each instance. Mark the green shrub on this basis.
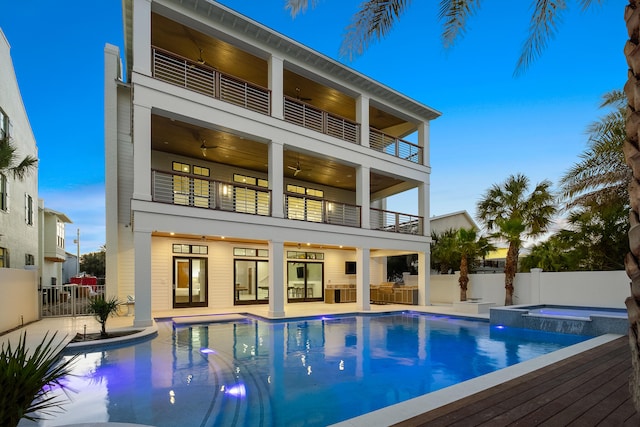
(27, 377)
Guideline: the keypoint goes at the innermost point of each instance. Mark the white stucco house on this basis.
(246, 168)
(18, 198)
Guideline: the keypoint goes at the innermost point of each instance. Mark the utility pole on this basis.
(77, 242)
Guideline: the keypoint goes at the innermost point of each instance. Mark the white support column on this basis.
(111, 74)
(142, 37)
(142, 277)
(276, 84)
(424, 278)
(423, 141)
(141, 152)
(363, 291)
(424, 207)
(536, 276)
(362, 117)
(276, 178)
(276, 279)
(363, 200)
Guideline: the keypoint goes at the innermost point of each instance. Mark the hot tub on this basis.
(591, 321)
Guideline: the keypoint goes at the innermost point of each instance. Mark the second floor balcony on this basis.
(201, 192)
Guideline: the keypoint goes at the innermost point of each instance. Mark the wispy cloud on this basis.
(85, 206)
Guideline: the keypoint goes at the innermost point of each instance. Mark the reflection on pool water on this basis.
(303, 372)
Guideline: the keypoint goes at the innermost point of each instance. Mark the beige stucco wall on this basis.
(19, 292)
(584, 288)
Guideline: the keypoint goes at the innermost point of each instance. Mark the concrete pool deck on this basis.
(386, 416)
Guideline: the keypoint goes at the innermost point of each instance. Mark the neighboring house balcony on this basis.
(187, 58)
(177, 188)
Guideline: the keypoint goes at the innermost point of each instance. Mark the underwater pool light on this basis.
(236, 390)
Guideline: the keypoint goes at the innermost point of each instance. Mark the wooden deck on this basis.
(587, 389)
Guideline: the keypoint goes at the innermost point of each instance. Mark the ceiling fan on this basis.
(299, 97)
(204, 147)
(296, 169)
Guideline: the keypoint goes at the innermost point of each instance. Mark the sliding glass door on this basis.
(305, 281)
(189, 282)
(251, 282)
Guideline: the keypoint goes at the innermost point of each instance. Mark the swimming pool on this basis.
(302, 372)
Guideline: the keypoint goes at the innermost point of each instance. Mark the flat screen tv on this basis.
(350, 267)
(300, 272)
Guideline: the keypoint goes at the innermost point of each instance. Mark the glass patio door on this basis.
(189, 282)
(305, 281)
(251, 282)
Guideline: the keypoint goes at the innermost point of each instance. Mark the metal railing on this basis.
(313, 209)
(396, 147)
(181, 71)
(310, 117)
(69, 299)
(395, 222)
(198, 191)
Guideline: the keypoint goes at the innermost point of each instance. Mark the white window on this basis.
(60, 234)
(28, 209)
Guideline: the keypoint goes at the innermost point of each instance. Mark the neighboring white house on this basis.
(454, 220)
(18, 207)
(18, 199)
(52, 254)
(250, 168)
(70, 267)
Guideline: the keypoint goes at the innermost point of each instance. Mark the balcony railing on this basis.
(192, 75)
(201, 192)
(313, 209)
(396, 147)
(308, 116)
(395, 222)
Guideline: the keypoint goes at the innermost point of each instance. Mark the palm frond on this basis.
(373, 21)
(295, 7)
(602, 173)
(542, 27)
(454, 14)
(26, 166)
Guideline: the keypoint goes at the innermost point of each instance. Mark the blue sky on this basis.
(492, 124)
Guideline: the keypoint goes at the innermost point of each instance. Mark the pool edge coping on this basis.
(403, 411)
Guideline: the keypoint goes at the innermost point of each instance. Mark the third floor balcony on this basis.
(198, 62)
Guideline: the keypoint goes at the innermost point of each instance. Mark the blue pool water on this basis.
(304, 372)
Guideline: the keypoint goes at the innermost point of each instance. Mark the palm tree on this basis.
(470, 246)
(511, 214)
(554, 254)
(8, 156)
(444, 253)
(602, 176)
(102, 309)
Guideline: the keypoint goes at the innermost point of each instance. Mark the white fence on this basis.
(19, 290)
(20, 297)
(584, 288)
